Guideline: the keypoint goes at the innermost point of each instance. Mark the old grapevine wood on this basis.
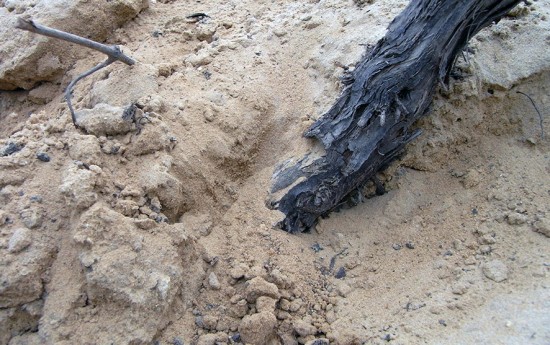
(371, 121)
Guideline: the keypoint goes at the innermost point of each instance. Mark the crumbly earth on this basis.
(156, 232)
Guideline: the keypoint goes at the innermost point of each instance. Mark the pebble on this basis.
(341, 273)
(10, 148)
(283, 315)
(495, 270)
(239, 309)
(515, 218)
(209, 322)
(487, 239)
(330, 316)
(238, 271)
(471, 179)
(470, 261)
(258, 328)
(304, 328)
(409, 245)
(316, 247)
(343, 289)
(199, 322)
(236, 337)
(459, 288)
(295, 305)
(257, 287)
(31, 217)
(264, 303)
(36, 198)
(320, 341)
(42, 156)
(389, 337)
(396, 246)
(213, 281)
(281, 280)
(208, 339)
(543, 227)
(20, 240)
(485, 250)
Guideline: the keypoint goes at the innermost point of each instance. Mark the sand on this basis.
(161, 235)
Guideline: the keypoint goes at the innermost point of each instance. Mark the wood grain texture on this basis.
(370, 123)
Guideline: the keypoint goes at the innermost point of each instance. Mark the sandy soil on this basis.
(163, 237)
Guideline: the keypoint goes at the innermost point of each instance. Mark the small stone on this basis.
(239, 309)
(396, 246)
(281, 280)
(257, 287)
(279, 32)
(343, 289)
(316, 247)
(295, 305)
(459, 288)
(42, 156)
(10, 148)
(103, 119)
(36, 198)
(330, 316)
(320, 341)
(155, 204)
(31, 217)
(199, 321)
(436, 310)
(258, 328)
(409, 245)
(238, 271)
(209, 322)
(515, 218)
(389, 337)
(284, 304)
(495, 270)
(485, 250)
(471, 179)
(236, 337)
(145, 224)
(5, 218)
(213, 281)
(304, 328)
(487, 239)
(207, 339)
(283, 315)
(542, 226)
(458, 245)
(264, 303)
(20, 240)
(471, 260)
(341, 273)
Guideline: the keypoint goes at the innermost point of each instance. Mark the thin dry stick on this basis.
(538, 112)
(113, 52)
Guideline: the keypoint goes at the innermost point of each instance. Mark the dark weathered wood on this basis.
(370, 123)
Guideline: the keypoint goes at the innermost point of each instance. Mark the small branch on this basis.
(69, 90)
(113, 52)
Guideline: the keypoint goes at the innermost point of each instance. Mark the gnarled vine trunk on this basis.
(370, 123)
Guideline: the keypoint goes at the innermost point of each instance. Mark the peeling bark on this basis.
(370, 123)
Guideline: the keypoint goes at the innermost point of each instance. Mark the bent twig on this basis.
(114, 53)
